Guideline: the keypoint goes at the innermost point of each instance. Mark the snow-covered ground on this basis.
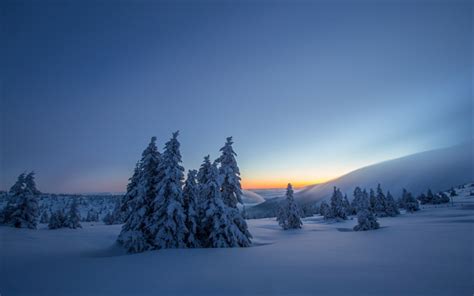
(426, 253)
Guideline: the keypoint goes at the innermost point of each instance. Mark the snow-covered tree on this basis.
(452, 192)
(366, 220)
(289, 213)
(337, 205)
(203, 174)
(231, 190)
(116, 216)
(127, 203)
(190, 199)
(230, 174)
(92, 216)
(380, 206)
(24, 211)
(31, 184)
(57, 220)
(135, 236)
(391, 207)
(347, 206)
(73, 217)
(14, 196)
(325, 210)
(44, 219)
(358, 200)
(409, 202)
(372, 201)
(218, 226)
(167, 220)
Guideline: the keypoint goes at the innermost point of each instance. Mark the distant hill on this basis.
(436, 169)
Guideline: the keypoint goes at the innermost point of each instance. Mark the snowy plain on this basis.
(426, 253)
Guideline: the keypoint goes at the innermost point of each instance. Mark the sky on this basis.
(310, 90)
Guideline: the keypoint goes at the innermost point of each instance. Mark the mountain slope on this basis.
(436, 169)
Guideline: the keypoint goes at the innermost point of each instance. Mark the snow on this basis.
(436, 169)
(429, 252)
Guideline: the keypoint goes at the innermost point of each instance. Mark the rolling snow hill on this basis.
(436, 169)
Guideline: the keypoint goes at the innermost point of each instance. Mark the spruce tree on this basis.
(231, 189)
(347, 206)
(73, 217)
(190, 199)
(366, 220)
(218, 229)
(380, 206)
(167, 221)
(57, 220)
(127, 203)
(337, 205)
(357, 202)
(31, 184)
(203, 174)
(14, 196)
(391, 208)
(135, 236)
(25, 212)
(411, 204)
(325, 210)
(289, 215)
(372, 201)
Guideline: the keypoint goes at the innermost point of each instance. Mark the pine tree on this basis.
(167, 221)
(410, 203)
(14, 196)
(217, 226)
(289, 214)
(337, 205)
(135, 236)
(92, 216)
(31, 184)
(365, 218)
(190, 199)
(231, 189)
(347, 206)
(25, 212)
(380, 206)
(325, 210)
(372, 201)
(429, 197)
(127, 203)
(203, 174)
(73, 218)
(357, 201)
(391, 208)
(57, 220)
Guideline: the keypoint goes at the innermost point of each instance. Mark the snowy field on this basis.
(426, 253)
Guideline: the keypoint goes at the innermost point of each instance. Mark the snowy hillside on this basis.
(250, 197)
(436, 169)
(430, 253)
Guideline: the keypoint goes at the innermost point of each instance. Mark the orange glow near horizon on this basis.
(279, 183)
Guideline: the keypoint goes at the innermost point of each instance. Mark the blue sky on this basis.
(308, 90)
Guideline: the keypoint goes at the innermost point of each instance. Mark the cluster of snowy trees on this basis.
(70, 219)
(289, 215)
(22, 209)
(160, 210)
(439, 198)
(367, 206)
